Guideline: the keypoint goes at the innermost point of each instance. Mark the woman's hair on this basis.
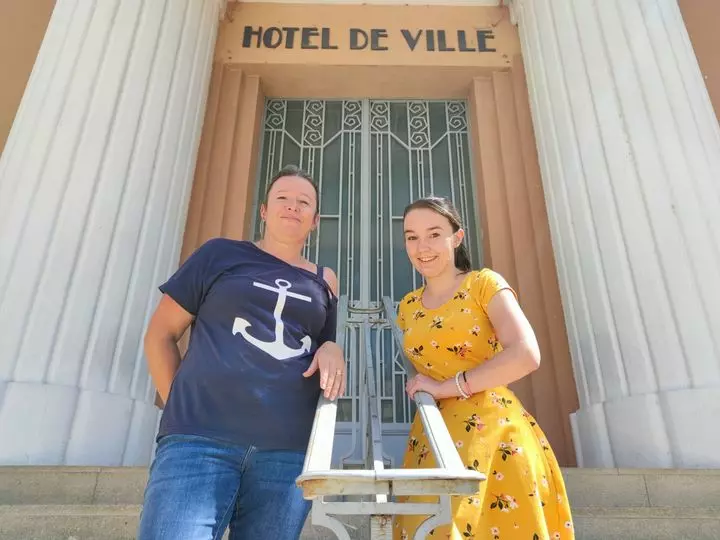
(293, 170)
(445, 208)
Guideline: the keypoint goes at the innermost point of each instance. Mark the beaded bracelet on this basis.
(457, 383)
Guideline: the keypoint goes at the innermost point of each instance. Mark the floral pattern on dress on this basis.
(524, 493)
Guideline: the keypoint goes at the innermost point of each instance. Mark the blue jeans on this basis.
(199, 486)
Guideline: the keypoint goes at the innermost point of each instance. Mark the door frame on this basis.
(515, 232)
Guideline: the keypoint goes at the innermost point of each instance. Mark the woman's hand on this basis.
(423, 383)
(329, 359)
(166, 327)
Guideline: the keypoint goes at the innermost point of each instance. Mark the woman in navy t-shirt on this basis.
(239, 407)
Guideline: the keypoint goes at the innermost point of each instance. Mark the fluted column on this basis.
(94, 183)
(630, 155)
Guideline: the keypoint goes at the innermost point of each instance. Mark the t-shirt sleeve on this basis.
(487, 284)
(329, 330)
(189, 285)
(401, 317)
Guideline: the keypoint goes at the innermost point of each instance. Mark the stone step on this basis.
(72, 485)
(68, 521)
(700, 523)
(119, 522)
(112, 522)
(89, 502)
(586, 487)
(643, 487)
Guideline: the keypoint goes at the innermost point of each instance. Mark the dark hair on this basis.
(293, 170)
(445, 208)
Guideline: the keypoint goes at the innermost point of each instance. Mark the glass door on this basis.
(370, 159)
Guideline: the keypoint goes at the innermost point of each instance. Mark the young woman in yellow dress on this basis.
(468, 338)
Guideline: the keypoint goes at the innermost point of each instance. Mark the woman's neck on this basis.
(290, 252)
(444, 283)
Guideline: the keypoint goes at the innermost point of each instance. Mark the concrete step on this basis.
(675, 488)
(111, 522)
(119, 522)
(72, 485)
(586, 487)
(89, 502)
(647, 523)
(68, 521)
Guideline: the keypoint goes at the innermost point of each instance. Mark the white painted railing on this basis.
(318, 480)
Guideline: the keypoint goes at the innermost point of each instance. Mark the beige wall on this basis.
(702, 18)
(224, 185)
(23, 24)
(517, 242)
(510, 197)
(22, 27)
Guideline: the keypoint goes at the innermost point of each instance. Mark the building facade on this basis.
(577, 138)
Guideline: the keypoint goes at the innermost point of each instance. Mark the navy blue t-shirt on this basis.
(258, 322)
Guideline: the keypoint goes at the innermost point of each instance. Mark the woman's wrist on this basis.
(465, 384)
(447, 389)
(451, 388)
(459, 386)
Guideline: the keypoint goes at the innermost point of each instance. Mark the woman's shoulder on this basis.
(411, 299)
(484, 275)
(484, 272)
(331, 279)
(485, 283)
(213, 253)
(222, 244)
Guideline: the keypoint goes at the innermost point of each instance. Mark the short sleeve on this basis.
(401, 317)
(189, 285)
(329, 330)
(486, 284)
(402, 309)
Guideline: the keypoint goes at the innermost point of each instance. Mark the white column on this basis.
(630, 154)
(94, 183)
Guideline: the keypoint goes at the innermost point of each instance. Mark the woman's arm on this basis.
(331, 279)
(519, 357)
(166, 327)
(329, 358)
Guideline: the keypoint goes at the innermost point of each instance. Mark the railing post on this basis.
(381, 527)
(382, 485)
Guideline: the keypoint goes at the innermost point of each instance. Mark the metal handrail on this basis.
(443, 448)
(319, 480)
(319, 451)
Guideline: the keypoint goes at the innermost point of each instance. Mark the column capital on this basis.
(222, 8)
(514, 8)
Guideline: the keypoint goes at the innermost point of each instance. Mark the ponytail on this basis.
(462, 258)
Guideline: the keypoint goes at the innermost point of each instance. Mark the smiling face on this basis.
(290, 212)
(430, 242)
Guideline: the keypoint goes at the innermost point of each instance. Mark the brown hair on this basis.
(293, 170)
(443, 206)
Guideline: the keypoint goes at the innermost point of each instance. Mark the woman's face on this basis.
(290, 213)
(430, 241)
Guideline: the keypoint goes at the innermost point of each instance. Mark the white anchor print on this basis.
(277, 349)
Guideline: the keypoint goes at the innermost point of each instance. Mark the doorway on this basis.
(370, 159)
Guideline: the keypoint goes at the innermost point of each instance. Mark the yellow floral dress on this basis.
(524, 496)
